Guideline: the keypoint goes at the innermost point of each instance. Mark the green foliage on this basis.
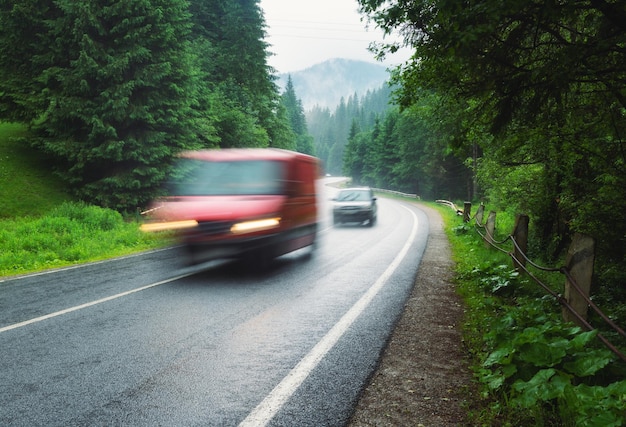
(112, 92)
(503, 281)
(332, 131)
(236, 128)
(22, 28)
(40, 228)
(461, 229)
(228, 36)
(407, 151)
(541, 362)
(297, 121)
(115, 93)
(280, 133)
(70, 233)
(532, 95)
(531, 368)
(354, 156)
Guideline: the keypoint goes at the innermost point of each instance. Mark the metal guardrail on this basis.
(450, 205)
(397, 193)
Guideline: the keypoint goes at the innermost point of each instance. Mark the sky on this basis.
(302, 33)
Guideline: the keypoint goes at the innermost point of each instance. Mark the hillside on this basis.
(28, 186)
(325, 84)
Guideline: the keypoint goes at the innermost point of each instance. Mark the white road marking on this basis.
(270, 406)
(92, 303)
(82, 265)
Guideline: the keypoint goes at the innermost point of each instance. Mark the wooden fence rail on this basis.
(578, 268)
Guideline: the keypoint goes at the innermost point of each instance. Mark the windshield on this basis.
(354, 195)
(201, 178)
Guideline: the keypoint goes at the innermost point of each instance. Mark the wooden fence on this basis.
(577, 271)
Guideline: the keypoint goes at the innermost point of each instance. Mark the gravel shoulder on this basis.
(422, 378)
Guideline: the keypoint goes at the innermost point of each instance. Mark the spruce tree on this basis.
(297, 119)
(24, 49)
(244, 101)
(116, 85)
(113, 90)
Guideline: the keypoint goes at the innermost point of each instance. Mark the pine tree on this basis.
(24, 50)
(297, 119)
(244, 100)
(113, 90)
(116, 87)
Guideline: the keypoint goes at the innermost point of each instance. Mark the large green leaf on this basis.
(589, 363)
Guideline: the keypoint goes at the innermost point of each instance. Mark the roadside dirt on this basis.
(422, 378)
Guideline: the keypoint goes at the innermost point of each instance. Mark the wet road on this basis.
(142, 341)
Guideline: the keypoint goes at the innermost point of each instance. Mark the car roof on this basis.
(238, 154)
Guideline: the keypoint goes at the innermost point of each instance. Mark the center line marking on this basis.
(265, 411)
(92, 303)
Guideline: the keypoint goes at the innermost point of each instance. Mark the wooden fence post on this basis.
(520, 234)
(579, 264)
(491, 228)
(479, 214)
(467, 209)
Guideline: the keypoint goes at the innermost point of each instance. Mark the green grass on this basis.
(41, 227)
(28, 187)
(69, 234)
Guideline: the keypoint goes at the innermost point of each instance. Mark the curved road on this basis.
(143, 341)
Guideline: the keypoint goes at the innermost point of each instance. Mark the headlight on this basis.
(256, 225)
(171, 225)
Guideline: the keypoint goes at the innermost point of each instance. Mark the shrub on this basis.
(91, 217)
(70, 233)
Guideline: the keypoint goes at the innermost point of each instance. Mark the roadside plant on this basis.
(531, 368)
(546, 368)
(70, 233)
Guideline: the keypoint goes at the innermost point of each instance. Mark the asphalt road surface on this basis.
(144, 341)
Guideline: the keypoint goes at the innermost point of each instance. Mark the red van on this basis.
(251, 203)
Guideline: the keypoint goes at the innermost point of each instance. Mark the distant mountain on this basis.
(324, 84)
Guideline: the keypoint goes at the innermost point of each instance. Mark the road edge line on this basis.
(273, 402)
(90, 304)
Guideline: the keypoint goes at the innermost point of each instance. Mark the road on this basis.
(143, 341)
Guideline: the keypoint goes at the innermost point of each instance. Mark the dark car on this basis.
(356, 205)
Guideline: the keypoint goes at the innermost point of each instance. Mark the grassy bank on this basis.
(41, 226)
(28, 187)
(69, 234)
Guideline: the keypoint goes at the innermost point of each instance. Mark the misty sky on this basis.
(306, 32)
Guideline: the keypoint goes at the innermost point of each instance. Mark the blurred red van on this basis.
(250, 203)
